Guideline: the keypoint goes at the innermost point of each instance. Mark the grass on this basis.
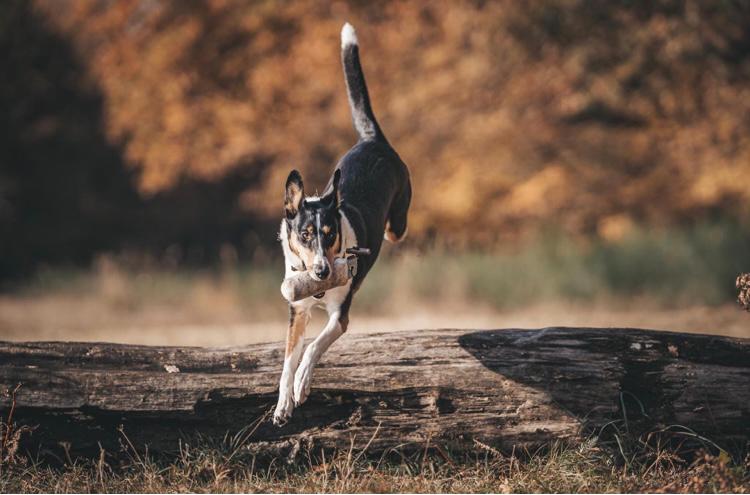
(225, 468)
(617, 459)
(678, 279)
(670, 267)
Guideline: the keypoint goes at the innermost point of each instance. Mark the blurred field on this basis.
(679, 280)
(573, 163)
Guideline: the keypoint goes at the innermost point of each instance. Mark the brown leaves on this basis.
(524, 114)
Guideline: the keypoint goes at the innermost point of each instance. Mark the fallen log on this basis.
(502, 388)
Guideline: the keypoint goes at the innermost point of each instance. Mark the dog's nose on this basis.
(322, 271)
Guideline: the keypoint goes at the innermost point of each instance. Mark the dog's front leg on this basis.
(295, 336)
(303, 377)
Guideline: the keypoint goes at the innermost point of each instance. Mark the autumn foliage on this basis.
(590, 116)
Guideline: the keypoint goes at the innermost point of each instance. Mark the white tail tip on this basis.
(348, 35)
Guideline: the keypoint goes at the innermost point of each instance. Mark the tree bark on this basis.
(453, 388)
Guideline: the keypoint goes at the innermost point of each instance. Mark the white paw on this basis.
(302, 380)
(284, 409)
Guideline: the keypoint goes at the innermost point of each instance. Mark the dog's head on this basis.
(313, 224)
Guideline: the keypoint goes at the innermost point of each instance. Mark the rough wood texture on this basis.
(504, 388)
(302, 285)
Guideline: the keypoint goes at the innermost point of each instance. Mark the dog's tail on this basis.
(359, 100)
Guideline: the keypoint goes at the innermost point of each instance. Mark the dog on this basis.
(366, 200)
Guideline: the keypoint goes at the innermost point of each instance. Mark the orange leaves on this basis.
(565, 112)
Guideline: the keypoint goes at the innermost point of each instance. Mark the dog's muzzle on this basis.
(321, 271)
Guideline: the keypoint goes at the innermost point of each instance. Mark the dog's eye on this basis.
(305, 236)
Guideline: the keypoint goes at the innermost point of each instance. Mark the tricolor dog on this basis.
(366, 200)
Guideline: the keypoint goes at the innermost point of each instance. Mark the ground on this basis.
(582, 469)
(235, 307)
(61, 317)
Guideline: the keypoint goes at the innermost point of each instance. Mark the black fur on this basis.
(359, 98)
(370, 184)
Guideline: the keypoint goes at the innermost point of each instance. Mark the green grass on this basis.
(669, 267)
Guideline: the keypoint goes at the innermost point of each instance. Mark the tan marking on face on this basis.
(326, 229)
(306, 255)
(310, 228)
(296, 331)
(333, 250)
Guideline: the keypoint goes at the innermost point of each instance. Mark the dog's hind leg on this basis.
(338, 321)
(395, 225)
(298, 318)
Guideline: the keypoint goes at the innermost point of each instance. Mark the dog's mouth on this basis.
(326, 275)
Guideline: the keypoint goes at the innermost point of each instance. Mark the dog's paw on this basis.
(302, 380)
(283, 411)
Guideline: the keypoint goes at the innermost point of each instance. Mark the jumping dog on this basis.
(366, 200)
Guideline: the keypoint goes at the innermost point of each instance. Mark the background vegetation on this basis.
(167, 128)
(586, 469)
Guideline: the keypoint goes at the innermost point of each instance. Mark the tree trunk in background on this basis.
(504, 388)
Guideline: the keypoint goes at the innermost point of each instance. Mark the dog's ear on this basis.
(295, 191)
(333, 198)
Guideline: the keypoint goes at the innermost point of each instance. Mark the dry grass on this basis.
(672, 280)
(617, 460)
(586, 468)
(58, 317)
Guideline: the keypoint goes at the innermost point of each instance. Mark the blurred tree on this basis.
(590, 116)
(63, 190)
